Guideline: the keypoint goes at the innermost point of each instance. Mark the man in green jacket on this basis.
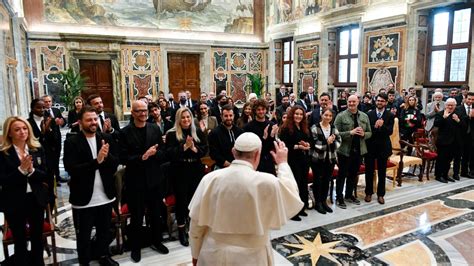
(354, 127)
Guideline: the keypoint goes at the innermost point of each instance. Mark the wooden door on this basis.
(99, 73)
(183, 73)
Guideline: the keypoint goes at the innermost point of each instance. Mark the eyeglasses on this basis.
(141, 111)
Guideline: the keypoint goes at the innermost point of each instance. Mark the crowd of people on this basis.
(165, 141)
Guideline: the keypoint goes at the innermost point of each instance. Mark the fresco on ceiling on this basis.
(280, 11)
(231, 16)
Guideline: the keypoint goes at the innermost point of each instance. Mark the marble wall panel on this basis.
(307, 65)
(383, 58)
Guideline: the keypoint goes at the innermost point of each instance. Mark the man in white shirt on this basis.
(221, 235)
(91, 160)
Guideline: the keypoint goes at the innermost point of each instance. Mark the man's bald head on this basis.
(352, 103)
(139, 112)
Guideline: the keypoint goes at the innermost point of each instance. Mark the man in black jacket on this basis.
(222, 138)
(379, 148)
(141, 151)
(324, 102)
(53, 152)
(90, 158)
(466, 111)
(449, 140)
(108, 123)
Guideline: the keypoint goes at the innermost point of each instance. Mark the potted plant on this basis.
(73, 83)
(256, 83)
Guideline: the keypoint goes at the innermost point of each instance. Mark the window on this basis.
(347, 56)
(449, 46)
(288, 62)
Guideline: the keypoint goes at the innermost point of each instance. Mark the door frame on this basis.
(204, 63)
(114, 58)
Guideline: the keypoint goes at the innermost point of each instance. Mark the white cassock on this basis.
(233, 210)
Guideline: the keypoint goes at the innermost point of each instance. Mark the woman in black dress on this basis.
(294, 132)
(185, 146)
(24, 186)
(72, 116)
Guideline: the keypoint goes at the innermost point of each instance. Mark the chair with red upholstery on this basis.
(48, 231)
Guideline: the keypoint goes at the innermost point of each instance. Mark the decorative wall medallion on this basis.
(383, 48)
(238, 61)
(141, 60)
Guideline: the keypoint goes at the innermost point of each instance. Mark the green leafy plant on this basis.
(256, 83)
(73, 83)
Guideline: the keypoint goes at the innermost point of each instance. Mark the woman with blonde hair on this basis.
(24, 181)
(185, 145)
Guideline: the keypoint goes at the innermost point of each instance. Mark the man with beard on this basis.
(90, 158)
(53, 151)
(222, 138)
(392, 103)
(324, 103)
(108, 123)
(281, 109)
(217, 110)
(379, 147)
(266, 131)
(141, 151)
(280, 95)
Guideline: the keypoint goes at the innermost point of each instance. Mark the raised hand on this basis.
(26, 163)
(265, 132)
(107, 125)
(150, 152)
(280, 155)
(103, 152)
(274, 130)
(331, 139)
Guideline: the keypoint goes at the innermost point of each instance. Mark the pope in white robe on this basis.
(234, 208)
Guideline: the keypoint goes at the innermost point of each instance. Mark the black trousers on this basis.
(33, 214)
(348, 168)
(322, 174)
(445, 156)
(138, 201)
(186, 177)
(86, 218)
(300, 169)
(369, 174)
(467, 160)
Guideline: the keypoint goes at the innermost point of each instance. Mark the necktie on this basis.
(232, 138)
(379, 115)
(51, 112)
(469, 121)
(101, 122)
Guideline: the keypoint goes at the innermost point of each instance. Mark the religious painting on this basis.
(381, 77)
(190, 15)
(383, 48)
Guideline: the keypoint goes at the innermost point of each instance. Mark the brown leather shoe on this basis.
(381, 200)
(368, 198)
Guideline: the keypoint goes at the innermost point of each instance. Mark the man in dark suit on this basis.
(311, 99)
(379, 147)
(324, 102)
(222, 138)
(210, 101)
(281, 94)
(108, 123)
(90, 158)
(216, 110)
(466, 111)
(463, 95)
(449, 140)
(173, 105)
(55, 145)
(281, 109)
(302, 101)
(190, 103)
(141, 151)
